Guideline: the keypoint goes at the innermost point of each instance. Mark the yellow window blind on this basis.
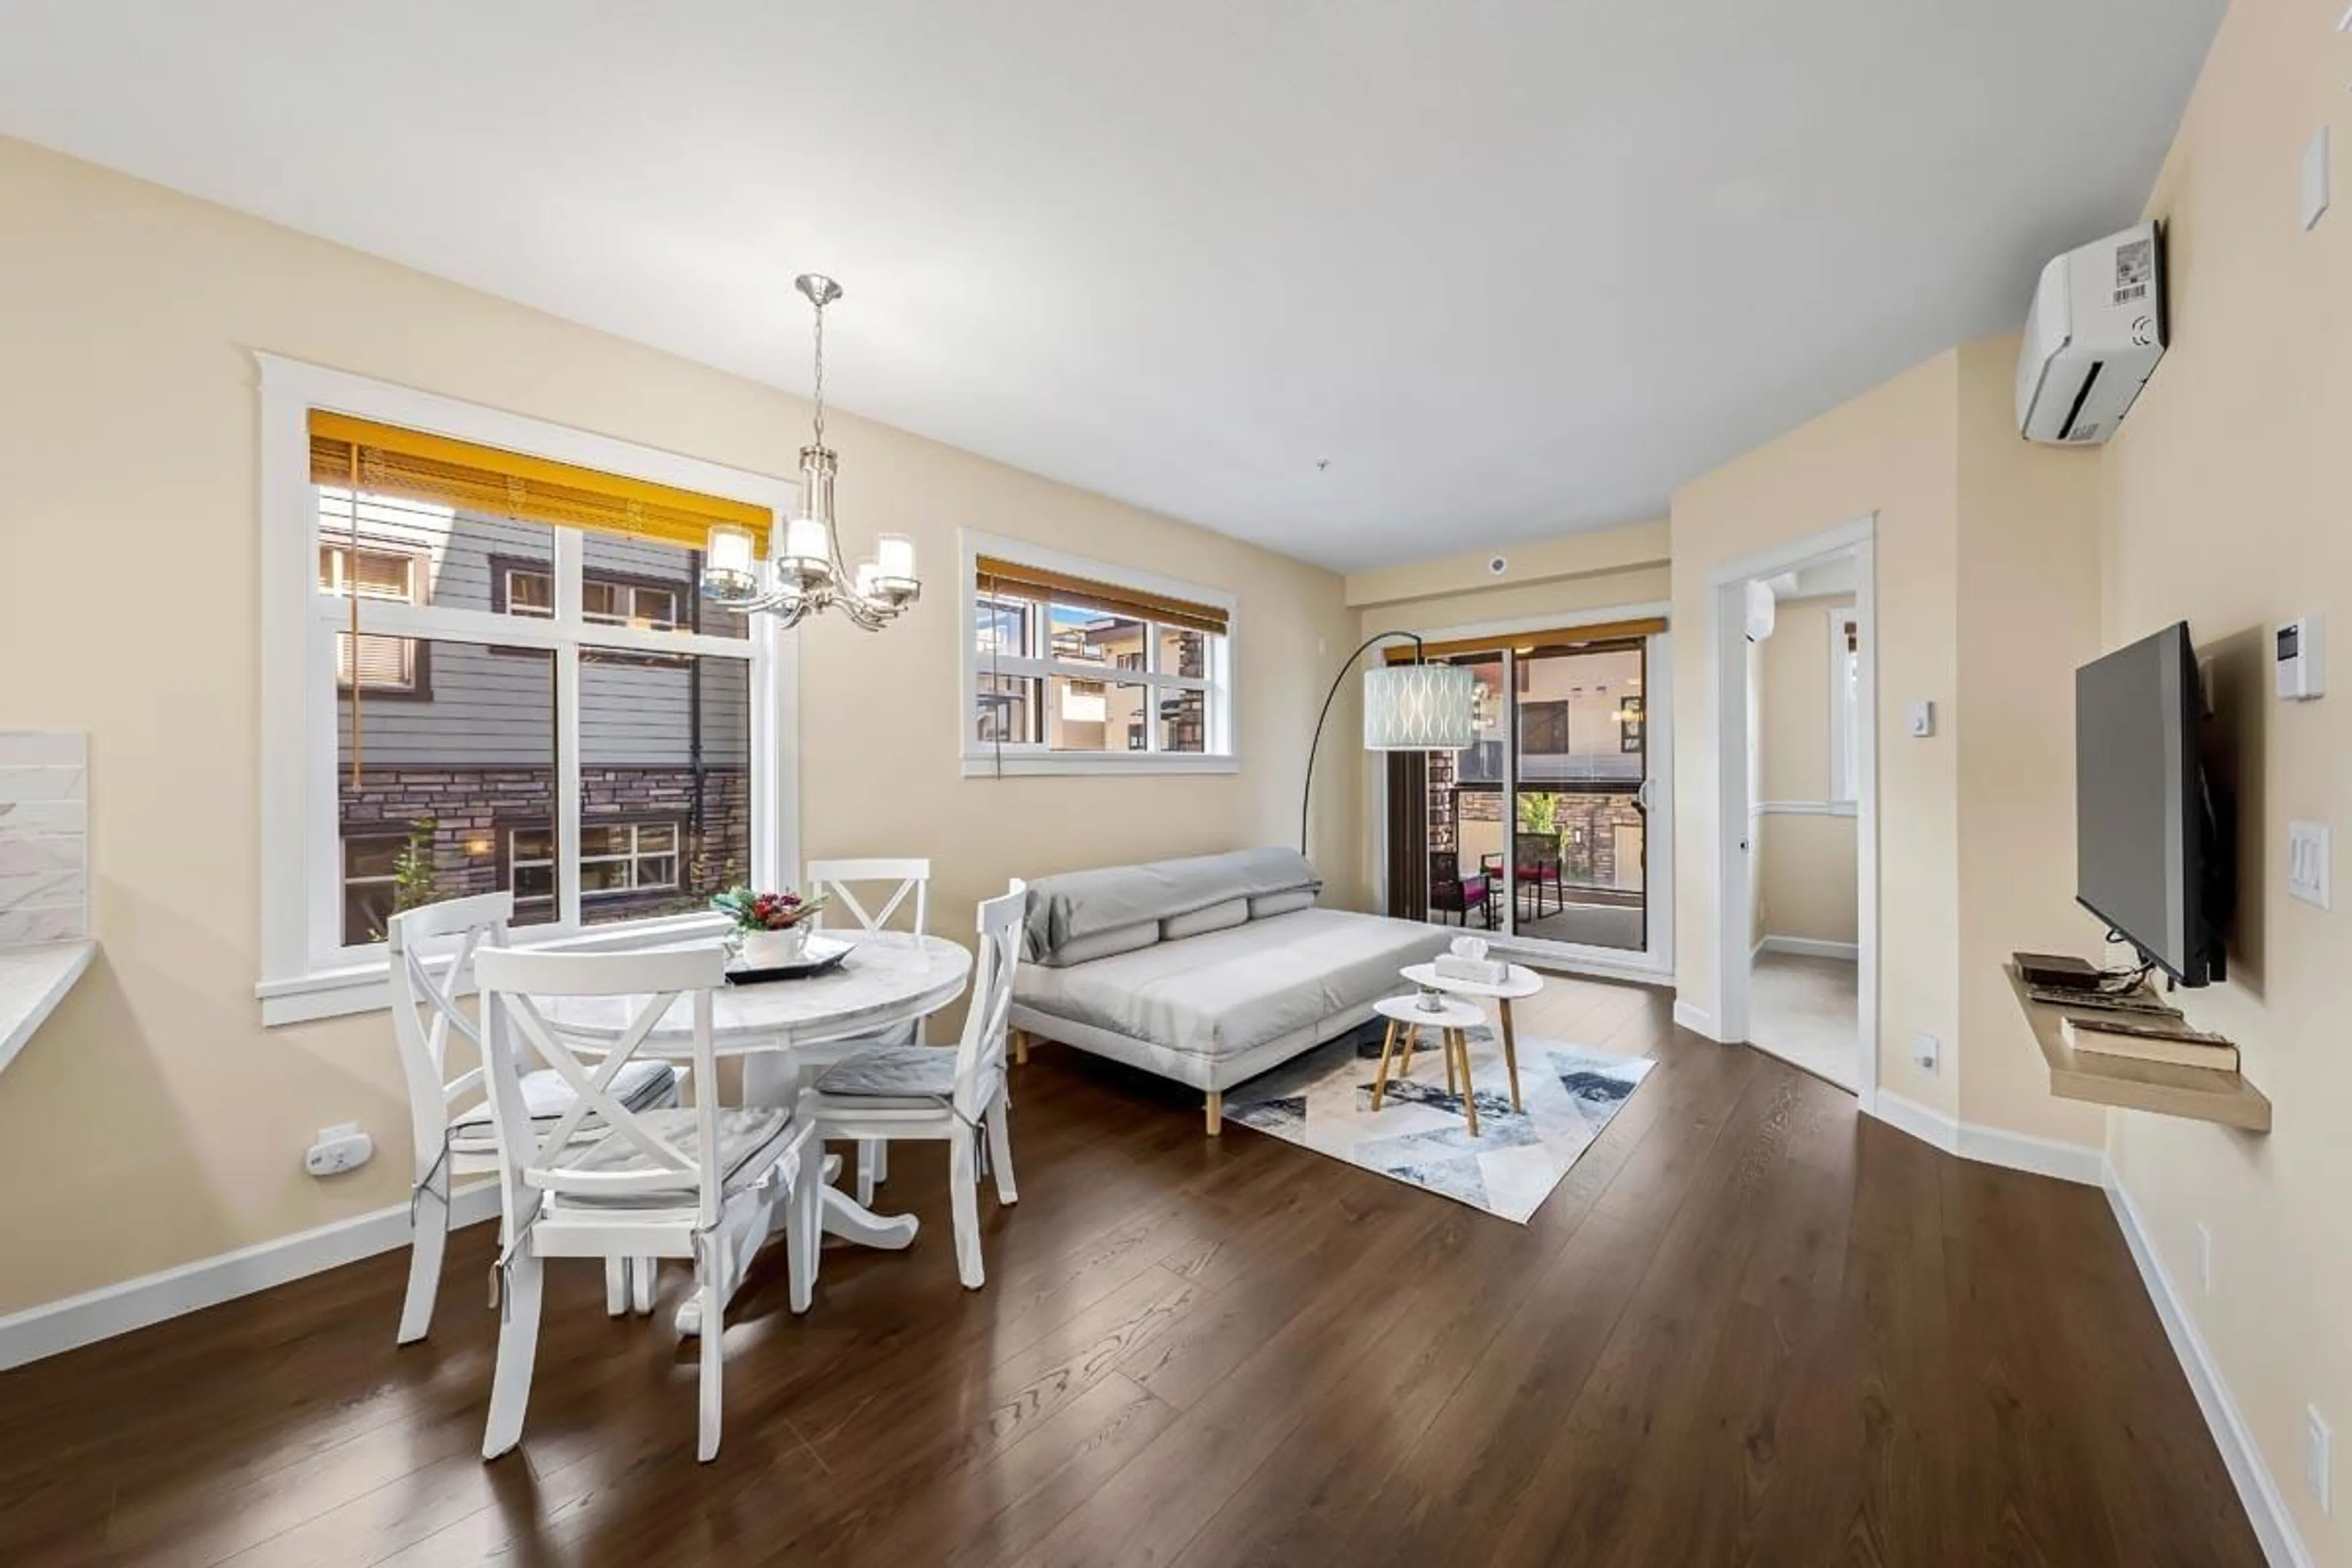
(1013, 580)
(447, 472)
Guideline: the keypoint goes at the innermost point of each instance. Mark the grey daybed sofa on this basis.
(1209, 970)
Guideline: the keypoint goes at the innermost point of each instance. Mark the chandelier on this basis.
(804, 575)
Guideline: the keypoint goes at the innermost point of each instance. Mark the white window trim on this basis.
(981, 759)
(301, 862)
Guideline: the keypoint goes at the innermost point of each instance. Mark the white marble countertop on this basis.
(33, 981)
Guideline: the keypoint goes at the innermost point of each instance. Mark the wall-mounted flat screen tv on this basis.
(2148, 853)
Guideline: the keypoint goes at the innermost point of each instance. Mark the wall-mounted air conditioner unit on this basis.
(2092, 339)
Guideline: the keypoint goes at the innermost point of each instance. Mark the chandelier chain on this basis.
(820, 372)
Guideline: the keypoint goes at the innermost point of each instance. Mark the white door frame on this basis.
(1727, 705)
(1654, 966)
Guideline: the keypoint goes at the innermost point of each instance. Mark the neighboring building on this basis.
(457, 784)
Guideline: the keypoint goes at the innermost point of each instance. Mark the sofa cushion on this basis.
(1230, 991)
(1063, 908)
(1265, 906)
(1104, 944)
(1201, 922)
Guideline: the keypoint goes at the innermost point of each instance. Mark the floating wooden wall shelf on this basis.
(2204, 1094)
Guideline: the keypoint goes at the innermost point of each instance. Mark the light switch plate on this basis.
(2307, 860)
(1923, 719)
(2314, 178)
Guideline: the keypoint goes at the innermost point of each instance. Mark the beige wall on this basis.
(1804, 885)
(1600, 552)
(152, 1121)
(1891, 452)
(2028, 584)
(1792, 712)
(2226, 500)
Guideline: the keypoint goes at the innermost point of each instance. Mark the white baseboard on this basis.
(1697, 1020)
(2265, 1506)
(1809, 947)
(1990, 1145)
(79, 1321)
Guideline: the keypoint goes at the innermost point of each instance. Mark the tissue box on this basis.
(1479, 971)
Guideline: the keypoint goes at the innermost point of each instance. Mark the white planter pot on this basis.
(773, 949)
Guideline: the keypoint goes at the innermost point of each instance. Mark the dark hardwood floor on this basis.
(1751, 1327)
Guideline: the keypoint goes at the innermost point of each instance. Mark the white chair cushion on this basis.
(892, 1072)
(749, 1137)
(639, 1086)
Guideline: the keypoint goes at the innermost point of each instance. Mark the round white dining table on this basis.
(890, 978)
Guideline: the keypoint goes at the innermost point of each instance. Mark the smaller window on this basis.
(531, 869)
(530, 593)
(371, 884)
(385, 663)
(612, 603)
(1845, 699)
(1071, 664)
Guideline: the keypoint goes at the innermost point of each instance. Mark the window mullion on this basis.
(570, 551)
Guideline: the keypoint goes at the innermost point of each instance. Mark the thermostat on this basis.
(2301, 659)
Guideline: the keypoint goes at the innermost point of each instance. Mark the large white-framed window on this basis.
(592, 736)
(1074, 665)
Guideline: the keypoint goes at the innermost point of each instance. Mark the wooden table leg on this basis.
(1411, 1037)
(1381, 1075)
(1446, 1049)
(1511, 1052)
(1469, 1089)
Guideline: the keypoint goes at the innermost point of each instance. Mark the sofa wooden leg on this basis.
(1019, 1048)
(1217, 1113)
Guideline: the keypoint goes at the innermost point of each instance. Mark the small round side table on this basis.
(1521, 981)
(1407, 1017)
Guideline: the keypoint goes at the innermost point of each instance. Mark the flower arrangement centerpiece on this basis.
(770, 929)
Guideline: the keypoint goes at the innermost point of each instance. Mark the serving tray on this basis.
(822, 957)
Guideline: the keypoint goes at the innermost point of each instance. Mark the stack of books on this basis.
(2150, 1039)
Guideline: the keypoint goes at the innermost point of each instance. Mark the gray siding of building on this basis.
(495, 708)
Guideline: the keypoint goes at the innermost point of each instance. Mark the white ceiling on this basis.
(1514, 267)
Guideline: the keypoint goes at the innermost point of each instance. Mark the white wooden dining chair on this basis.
(431, 950)
(931, 1092)
(703, 1183)
(905, 879)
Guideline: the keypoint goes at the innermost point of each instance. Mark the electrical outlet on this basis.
(339, 1149)
(2316, 1441)
(1925, 1049)
(2204, 1261)
(2308, 857)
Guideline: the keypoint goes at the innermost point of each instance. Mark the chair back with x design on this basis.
(431, 950)
(840, 879)
(646, 985)
(980, 1053)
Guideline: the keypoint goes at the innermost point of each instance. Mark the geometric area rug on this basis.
(1323, 1101)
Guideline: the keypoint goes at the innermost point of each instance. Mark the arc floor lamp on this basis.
(1416, 707)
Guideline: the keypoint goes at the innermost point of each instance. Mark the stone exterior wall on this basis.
(475, 811)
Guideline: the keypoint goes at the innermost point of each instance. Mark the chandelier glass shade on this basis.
(804, 573)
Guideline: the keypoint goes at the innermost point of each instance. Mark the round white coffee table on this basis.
(1519, 981)
(1407, 1017)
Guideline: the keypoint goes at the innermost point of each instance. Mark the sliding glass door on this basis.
(1541, 835)
(1579, 835)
